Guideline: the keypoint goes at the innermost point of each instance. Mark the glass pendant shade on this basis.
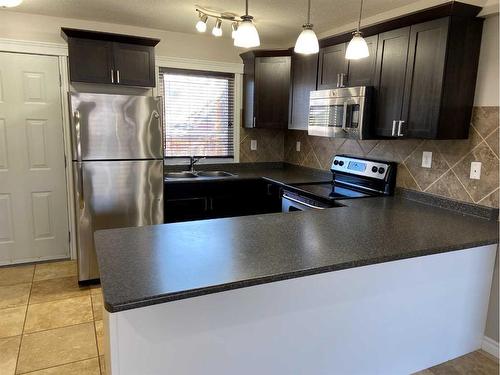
(307, 42)
(357, 48)
(234, 29)
(201, 25)
(247, 35)
(217, 30)
(10, 3)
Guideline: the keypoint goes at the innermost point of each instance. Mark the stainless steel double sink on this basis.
(187, 174)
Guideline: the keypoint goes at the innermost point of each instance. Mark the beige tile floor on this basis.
(50, 326)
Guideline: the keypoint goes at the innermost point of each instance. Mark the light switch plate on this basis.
(475, 170)
(426, 159)
(297, 147)
(253, 145)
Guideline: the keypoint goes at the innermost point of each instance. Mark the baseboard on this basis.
(490, 346)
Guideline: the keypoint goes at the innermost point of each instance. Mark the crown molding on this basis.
(34, 47)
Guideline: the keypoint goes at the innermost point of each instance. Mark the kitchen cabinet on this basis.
(362, 72)
(425, 79)
(336, 71)
(333, 67)
(392, 56)
(304, 74)
(210, 199)
(266, 94)
(96, 57)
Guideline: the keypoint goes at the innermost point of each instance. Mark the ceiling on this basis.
(278, 21)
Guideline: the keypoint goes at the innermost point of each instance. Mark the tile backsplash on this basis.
(451, 159)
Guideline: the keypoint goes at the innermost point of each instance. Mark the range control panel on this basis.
(360, 167)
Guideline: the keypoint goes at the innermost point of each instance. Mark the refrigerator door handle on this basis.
(81, 200)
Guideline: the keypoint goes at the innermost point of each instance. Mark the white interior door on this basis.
(33, 206)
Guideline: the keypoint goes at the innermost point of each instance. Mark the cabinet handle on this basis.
(344, 118)
(117, 75)
(112, 76)
(394, 128)
(401, 122)
(338, 80)
(253, 123)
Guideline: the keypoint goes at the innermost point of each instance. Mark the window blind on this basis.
(198, 113)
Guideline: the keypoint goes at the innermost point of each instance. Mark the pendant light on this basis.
(10, 3)
(357, 48)
(307, 42)
(234, 29)
(201, 25)
(247, 35)
(217, 30)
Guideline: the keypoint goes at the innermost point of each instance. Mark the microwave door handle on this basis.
(344, 118)
(393, 128)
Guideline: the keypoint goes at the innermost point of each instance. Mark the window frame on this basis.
(237, 109)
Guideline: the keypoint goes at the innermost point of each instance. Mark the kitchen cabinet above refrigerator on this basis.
(104, 58)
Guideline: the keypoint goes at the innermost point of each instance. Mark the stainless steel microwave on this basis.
(340, 113)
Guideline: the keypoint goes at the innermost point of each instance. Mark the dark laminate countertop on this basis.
(155, 264)
(281, 173)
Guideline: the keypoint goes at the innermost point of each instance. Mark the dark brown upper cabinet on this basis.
(362, 72)
(336, 71)
(425, 79)
(389, 80)
(96, 57)
(304, 74)
(333, 67)
(266, 93)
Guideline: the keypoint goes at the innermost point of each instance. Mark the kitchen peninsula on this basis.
(402, 283)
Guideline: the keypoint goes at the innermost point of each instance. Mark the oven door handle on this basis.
(302, 203)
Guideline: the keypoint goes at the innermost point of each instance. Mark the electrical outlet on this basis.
(253, 145)
(475, 170)
(426, 159)
(297, 147)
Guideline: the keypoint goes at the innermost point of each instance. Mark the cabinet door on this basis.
(304, 73)
(332, 62)
(362, 71)
(90, 60)
(185, 209)
(392, 54)
(134, 64)
(424, 78)
(272, 91)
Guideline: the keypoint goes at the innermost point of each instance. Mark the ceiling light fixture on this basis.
(217, 30)
(247, 35)
(201, 25)
(234, 29)
(307, 42)
(357, 47)
(10, 3)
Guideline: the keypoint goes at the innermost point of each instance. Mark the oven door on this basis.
(336, 117)
(291, 202)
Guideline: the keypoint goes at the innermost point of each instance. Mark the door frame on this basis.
(61, 52)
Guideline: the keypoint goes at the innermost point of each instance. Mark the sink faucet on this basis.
(193, 160)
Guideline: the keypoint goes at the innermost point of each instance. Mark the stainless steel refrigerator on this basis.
(117, 166)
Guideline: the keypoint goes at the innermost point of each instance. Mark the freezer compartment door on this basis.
(114, 194)
(116, 127)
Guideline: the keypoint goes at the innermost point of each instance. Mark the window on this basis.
(198, 113)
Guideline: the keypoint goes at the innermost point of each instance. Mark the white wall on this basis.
(48, 29)
(487, 86)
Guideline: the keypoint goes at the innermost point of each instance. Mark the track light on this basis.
(10, 3)
(234, 29)
(217, 30)
(201, 25)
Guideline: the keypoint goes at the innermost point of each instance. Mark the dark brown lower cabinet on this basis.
(218, 199)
